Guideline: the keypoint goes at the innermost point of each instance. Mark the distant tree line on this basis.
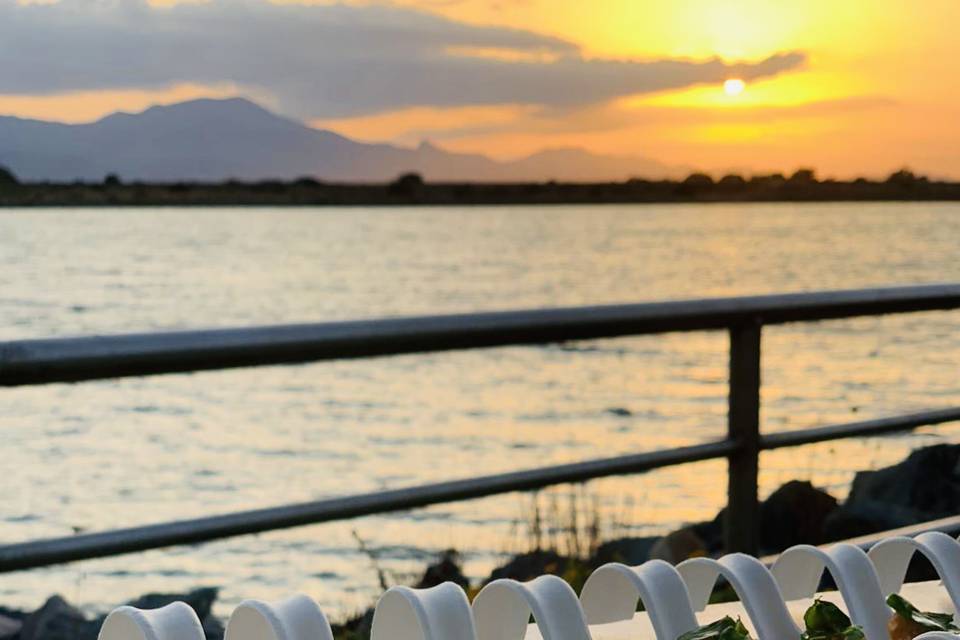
(411, 188)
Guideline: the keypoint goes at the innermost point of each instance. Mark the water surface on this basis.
(115, 453)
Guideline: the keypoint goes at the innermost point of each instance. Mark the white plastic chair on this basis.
(438, 613)
(503, 608)
(891, 558)
(612, 592)
(295, 618)
(754, 585)
(176, 621)
(798, 571)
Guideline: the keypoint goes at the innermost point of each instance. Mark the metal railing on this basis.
(35, 362)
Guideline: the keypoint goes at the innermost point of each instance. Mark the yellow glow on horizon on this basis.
(794, 89)
(414, 124)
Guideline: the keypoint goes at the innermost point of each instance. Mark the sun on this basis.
(734, 86)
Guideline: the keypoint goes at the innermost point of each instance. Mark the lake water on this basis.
(107, 454)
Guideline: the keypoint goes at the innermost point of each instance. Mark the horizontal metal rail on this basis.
(41, 553)
(108, 543)
(33, 362)
(879, 426)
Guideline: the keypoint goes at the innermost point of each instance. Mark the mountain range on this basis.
(222, 139)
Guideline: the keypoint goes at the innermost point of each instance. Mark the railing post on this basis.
(742, 522)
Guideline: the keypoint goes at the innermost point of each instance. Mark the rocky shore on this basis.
(925, 486)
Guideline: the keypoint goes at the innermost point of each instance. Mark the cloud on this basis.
(441, 125)
(323, 61)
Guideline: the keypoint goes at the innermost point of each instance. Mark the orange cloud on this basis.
(876, 91)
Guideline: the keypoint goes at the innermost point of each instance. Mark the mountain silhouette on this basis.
(214, 140)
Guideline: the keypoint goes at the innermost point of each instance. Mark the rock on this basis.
(711, 533)
(212, 628)
(13, 614)
(200, 600)
(357, 627)
(9, 627)
(863, 518)
(678, 546)
(58, 620)
(528, 566)
(925, 486)
(620, 411)
(630, 551)
(794, 514)
(926, 483)
(446, 569)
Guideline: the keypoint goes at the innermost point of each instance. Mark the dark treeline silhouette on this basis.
(410, 188)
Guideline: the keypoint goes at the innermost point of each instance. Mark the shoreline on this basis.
(920, 488)
(411, 189)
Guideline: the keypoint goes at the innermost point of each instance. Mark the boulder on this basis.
(863, 518)
(925, 486)
(14, 614)
(356, 627)
(213, 629)
(528, 566)
(794, 514)
(446, 569)
(200, 600)
(711, 533)
(679, 545)
(927, 483)
(630, 551)
(58, 620)
(9, 627)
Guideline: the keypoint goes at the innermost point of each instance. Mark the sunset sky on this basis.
(849, 87)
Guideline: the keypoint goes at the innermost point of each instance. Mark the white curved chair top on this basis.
(798, 571)
(176, 621)
(891, 558)
(503, 608)
(295, 618)
(438, 613)
(754, 585)
(612, 592)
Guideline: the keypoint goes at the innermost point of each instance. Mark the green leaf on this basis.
(850, 633)
(724, 629)
(825, 617)
(825, 621)
(854, 633)
(926, 619)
